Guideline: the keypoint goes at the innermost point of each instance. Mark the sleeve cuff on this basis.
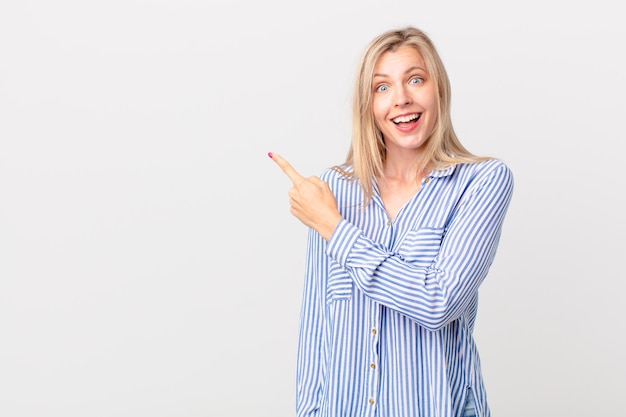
(342, 241)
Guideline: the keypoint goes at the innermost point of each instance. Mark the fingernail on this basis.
(270, 155)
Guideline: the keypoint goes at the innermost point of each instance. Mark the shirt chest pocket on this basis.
(339, 285)
(421, 246)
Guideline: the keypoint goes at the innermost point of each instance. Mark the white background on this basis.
(149, 265)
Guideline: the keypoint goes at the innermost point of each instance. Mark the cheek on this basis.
(379, 111)
(430, 101)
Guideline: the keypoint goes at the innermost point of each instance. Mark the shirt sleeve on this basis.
(310, 363)
(436, 293)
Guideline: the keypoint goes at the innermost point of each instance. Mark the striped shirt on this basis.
(389, 307)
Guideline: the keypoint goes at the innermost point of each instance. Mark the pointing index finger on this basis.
(286, 167)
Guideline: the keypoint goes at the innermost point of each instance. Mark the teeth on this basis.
(404, 119)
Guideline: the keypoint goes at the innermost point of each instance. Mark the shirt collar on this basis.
(438, 173)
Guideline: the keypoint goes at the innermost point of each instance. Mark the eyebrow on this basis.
(406, 72)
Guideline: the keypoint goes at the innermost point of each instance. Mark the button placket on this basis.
(372, 371)
(387, 233)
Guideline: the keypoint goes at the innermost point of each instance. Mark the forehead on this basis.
(399, 59)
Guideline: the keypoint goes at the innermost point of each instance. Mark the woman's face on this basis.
(404, 100)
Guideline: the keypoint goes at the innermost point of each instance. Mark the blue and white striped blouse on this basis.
(389, 306)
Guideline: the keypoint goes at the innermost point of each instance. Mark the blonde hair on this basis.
(367, 150)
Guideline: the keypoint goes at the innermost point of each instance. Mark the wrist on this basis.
(328, 228)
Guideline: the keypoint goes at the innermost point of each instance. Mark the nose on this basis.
(402, 97)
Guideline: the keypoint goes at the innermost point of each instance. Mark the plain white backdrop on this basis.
(149, 265)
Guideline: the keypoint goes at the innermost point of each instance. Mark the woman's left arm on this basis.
(433, 293)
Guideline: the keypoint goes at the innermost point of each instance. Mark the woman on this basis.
(402, 235)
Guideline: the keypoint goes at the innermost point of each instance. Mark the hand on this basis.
(311, 199)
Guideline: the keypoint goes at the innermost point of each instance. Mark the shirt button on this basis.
(388, 223)
(374, 331)
(373, 366)
(371, 401)
(427, 180)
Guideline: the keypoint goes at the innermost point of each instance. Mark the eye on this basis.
(416, 80)
(382, 88)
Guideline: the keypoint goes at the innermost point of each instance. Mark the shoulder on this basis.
(485, 176)
(487, 170)
(492, 178)
(345, 187)
(336, 173)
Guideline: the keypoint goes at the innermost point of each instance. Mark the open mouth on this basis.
(406, 118)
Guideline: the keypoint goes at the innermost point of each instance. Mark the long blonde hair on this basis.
(367, 150)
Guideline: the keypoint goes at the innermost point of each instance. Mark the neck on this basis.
(404, 168)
